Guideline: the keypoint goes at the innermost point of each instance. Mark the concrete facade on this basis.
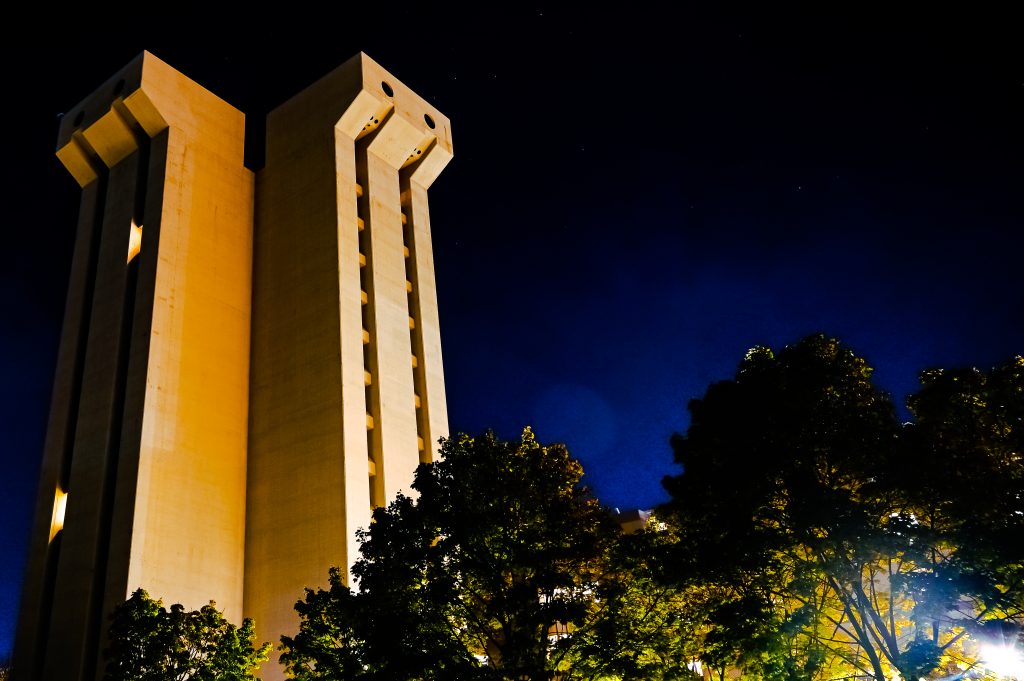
(248, 363)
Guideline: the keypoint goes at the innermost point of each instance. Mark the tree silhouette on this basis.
(839, 541)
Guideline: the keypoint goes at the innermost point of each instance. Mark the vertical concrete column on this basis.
(37, 599)
(295, 517)
(395, 414)
(430, 366)
(398, 453)
(77, 615)
(356, 505)
(189, 511)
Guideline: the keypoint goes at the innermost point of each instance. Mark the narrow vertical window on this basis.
(134, 241)
(60, 504)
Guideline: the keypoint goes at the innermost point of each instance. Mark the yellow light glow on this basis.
(1004, 660)
(134, 240)
(60, 503)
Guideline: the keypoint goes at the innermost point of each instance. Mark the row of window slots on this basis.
(415, 336)
(367, 374)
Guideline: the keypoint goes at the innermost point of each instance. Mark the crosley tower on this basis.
(249, 363)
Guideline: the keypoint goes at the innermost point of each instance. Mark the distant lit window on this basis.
(134, 240)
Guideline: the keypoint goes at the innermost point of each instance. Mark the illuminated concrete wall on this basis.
(347, 386)
(148, 429)
(174, 460)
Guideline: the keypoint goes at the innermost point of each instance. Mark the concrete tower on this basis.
(248, 363)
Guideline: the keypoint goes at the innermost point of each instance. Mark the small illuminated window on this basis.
(134, 240)
(60, 504)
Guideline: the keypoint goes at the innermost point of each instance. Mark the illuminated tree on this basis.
(835, 537)
(962, 475)
(502, 567)
(149, 642)
(646, 628)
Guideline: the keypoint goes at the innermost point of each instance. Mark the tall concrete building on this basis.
(249, 361)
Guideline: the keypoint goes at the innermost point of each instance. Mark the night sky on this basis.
(634, 201)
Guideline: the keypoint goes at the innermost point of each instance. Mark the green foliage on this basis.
(151, 643)
(837, 541)
(971, 424)
(502, 567)
(645, 627)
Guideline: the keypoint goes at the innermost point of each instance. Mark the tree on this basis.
(963, 476)
(830, 532)
(151, 643)
(646, 627)
(493, 571)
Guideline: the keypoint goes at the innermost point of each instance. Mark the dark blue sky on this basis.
(634, 201)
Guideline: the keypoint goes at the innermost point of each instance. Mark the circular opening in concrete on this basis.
(80, 117)
(119, 88)
(387, 88)
(429, 121)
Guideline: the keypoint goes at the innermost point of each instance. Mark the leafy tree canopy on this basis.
(502, 567)
(839, 542)
(149, 642)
